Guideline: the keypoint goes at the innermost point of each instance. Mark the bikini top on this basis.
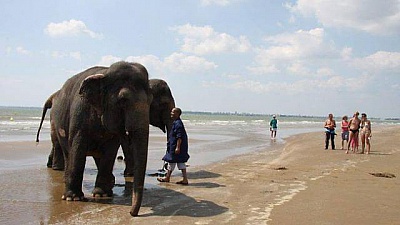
(365, 125)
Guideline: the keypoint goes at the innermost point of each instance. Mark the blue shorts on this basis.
(345, 135)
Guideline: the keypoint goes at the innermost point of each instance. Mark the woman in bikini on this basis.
(365, 133)
(354, 126)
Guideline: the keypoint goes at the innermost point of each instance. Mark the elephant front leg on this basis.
(74, 172)
(129, 163)
(105, 179)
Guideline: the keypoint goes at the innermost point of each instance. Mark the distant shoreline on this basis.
(225, 113)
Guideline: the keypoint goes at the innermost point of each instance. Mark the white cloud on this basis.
(346, 53)
(18, 50)
(183, 63)
(288, 49)
(232, 76)
(174, 63)
(308, 86)
(22, 51)
(372, 16)
(107, 60)
(298, 68)
(74, 55)
(149, 61)
(325, 72)
(8, 50)
(204, 40)
(379, 61)
(216, 2)
(302, 43)
(70, 28)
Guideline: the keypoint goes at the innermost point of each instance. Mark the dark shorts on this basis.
(345, 135)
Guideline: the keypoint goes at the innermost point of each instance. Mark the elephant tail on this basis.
(47, 105)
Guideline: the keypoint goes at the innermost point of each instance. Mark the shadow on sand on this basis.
(202, 174)
(379, 153)
(164, 201)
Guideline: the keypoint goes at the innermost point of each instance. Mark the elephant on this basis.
(162, 104)
(95, 110)
(160, 115)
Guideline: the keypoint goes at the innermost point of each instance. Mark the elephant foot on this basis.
(100, 193)
(70, 196)
(59, 168)
(134, 213)
(50, 162)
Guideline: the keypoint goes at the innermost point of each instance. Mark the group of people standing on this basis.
(352, 131)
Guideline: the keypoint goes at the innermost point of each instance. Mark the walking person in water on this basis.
(354, 126)
(273, 126)
(330, 125)
(365, 133)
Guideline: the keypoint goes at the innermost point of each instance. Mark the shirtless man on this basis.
(365, 133)
(354, 127)
(330, 125)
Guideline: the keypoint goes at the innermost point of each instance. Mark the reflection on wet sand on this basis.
(32, 194)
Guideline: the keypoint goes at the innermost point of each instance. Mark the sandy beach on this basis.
(294, 183)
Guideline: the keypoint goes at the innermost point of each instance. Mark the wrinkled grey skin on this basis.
(160, 109)
(56, 157)
(160, 115)
(95, 110)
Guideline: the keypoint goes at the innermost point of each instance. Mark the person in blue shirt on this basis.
(177, 148)
(273, 126)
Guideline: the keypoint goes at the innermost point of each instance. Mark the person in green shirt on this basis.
(273, 126)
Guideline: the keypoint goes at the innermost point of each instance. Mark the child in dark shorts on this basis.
(345, 131)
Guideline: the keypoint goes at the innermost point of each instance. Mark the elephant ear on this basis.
(91, 89)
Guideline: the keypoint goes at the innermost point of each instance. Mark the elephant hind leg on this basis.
(50, 160)
(58, 158)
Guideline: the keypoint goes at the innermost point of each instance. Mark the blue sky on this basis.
(303, 57)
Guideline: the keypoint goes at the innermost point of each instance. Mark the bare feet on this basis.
(183, 182)
(162, 180)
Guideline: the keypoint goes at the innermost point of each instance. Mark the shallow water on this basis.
(31, 194)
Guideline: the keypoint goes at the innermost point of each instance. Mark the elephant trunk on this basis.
(140, 147)
(137, 133)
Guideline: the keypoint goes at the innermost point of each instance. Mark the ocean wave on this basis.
(22, 123)
(300, 122)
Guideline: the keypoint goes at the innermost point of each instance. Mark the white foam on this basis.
(262, 217)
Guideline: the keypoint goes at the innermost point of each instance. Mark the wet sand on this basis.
(293, 183)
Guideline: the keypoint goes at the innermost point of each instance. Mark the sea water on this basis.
(31, 192)
(212, 136)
